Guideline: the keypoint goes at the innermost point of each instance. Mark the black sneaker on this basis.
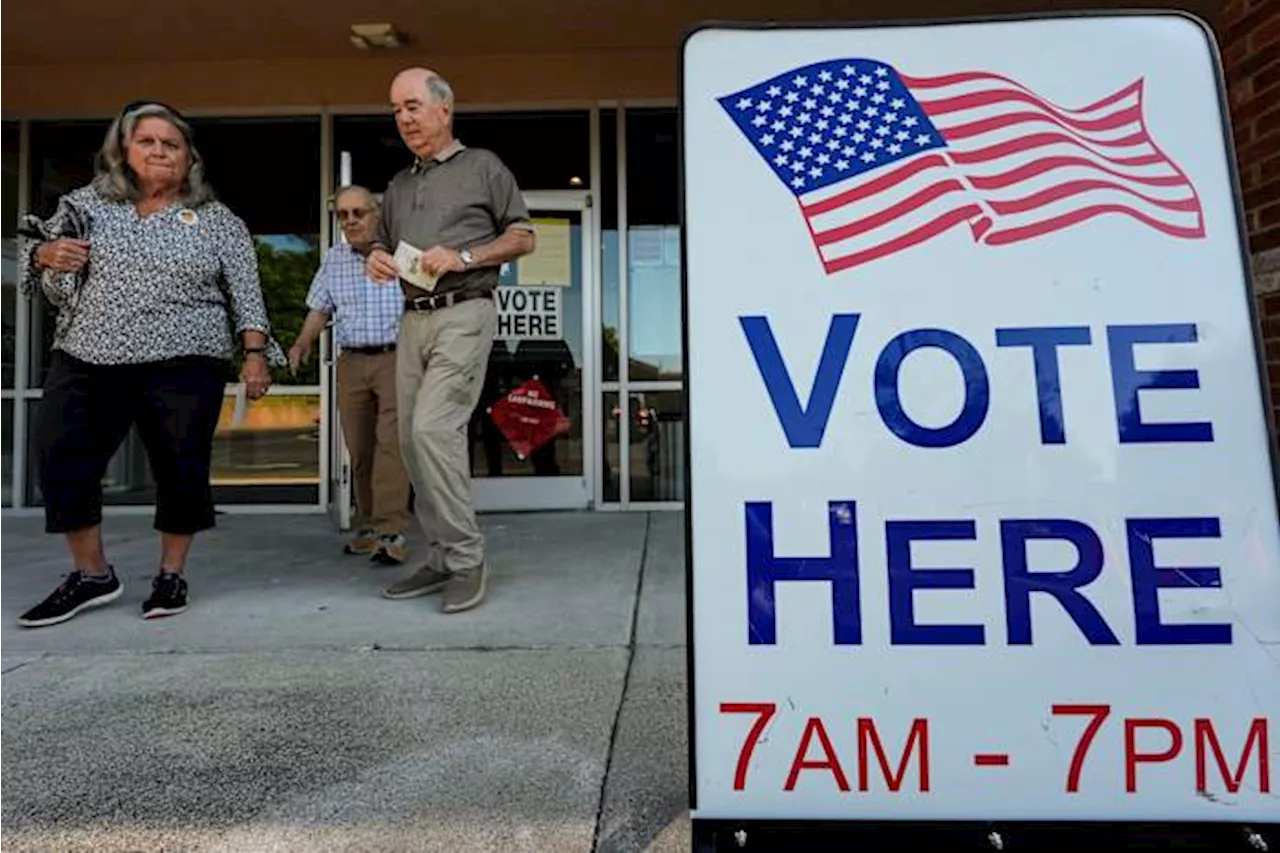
(78, 592)
(168, 596)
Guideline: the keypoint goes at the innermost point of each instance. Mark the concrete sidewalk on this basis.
(293, 709)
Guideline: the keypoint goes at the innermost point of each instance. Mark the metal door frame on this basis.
(338, 472)
(493, 494)
(501, 494)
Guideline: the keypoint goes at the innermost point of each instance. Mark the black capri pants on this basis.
(85, 414)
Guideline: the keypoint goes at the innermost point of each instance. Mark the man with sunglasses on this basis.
(368, 321)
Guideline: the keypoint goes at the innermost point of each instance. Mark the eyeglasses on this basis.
(358, 213)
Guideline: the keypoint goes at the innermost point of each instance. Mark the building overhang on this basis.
(81, 58)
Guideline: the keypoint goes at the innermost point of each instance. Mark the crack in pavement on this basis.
(20, 665)
(626, 683)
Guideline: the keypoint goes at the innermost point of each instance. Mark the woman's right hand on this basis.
(63, 255)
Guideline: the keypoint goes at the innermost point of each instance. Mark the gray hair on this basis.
(115, 180)
(357, 188)
(440, 89)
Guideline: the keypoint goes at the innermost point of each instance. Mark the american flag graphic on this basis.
(880, 161)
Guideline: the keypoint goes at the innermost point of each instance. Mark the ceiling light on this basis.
(376, 36)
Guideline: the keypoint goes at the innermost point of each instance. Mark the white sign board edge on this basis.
(997, 749)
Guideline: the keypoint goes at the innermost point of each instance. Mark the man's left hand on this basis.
(298, 353)
(255, 376)
(439, 260)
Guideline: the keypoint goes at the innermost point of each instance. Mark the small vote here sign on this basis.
(529, 313)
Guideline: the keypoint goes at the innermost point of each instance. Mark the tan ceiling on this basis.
(43, 32)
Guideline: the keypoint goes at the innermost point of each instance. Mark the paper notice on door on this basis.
(550, 263)
(645, 246)
(409, 262)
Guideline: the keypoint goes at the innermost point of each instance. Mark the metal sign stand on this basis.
(713, 836)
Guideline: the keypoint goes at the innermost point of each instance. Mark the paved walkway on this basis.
(293, 709)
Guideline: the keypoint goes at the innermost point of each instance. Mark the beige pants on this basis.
(367, 405)
(440, 368)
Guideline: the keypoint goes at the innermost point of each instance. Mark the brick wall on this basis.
(1250, 41)
(1251, 56)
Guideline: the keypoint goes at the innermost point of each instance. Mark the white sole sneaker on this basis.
(71, 614)
(156, 613)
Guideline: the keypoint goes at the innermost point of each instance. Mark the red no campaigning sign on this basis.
(528, 417)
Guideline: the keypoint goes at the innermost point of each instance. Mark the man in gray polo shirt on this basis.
(459, 208)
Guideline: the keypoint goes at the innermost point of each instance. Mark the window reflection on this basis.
(271, 444)
(655, 443)
(610, 302)
(653, 246)
(61, 160)
(264, 451)
(6, 439)
(12, 142)
(9, 297)
(8, 305)
(610, 344)
(653, 302)
(279, 200)
(610, 416)
(286, 265)
(657, 446)
(544, 150)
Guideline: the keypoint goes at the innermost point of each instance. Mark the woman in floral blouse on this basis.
(155, 283)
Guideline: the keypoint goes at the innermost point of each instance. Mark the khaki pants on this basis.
(440, 368)
(367, 406)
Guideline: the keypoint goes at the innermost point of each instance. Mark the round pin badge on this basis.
(188, 216)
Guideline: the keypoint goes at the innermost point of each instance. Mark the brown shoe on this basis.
(465, 589)
(391, 551)
(424, 581)
(365, 541)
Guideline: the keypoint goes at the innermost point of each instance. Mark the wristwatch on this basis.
(467, 258)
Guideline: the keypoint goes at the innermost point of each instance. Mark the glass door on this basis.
(533, 432)
(531, 435)
(528, 451)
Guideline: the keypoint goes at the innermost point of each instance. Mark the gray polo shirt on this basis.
(460, 198)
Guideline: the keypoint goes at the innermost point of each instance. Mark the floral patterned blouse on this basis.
(177, 282)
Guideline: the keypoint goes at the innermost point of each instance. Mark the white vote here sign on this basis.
(529, 313)
(983, 524)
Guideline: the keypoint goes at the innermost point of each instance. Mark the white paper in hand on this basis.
(409, 261)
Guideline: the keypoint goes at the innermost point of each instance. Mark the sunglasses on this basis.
(358, 213)
(137, 105)
(134, 106)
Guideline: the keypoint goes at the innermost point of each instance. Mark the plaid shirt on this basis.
(368, 313)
